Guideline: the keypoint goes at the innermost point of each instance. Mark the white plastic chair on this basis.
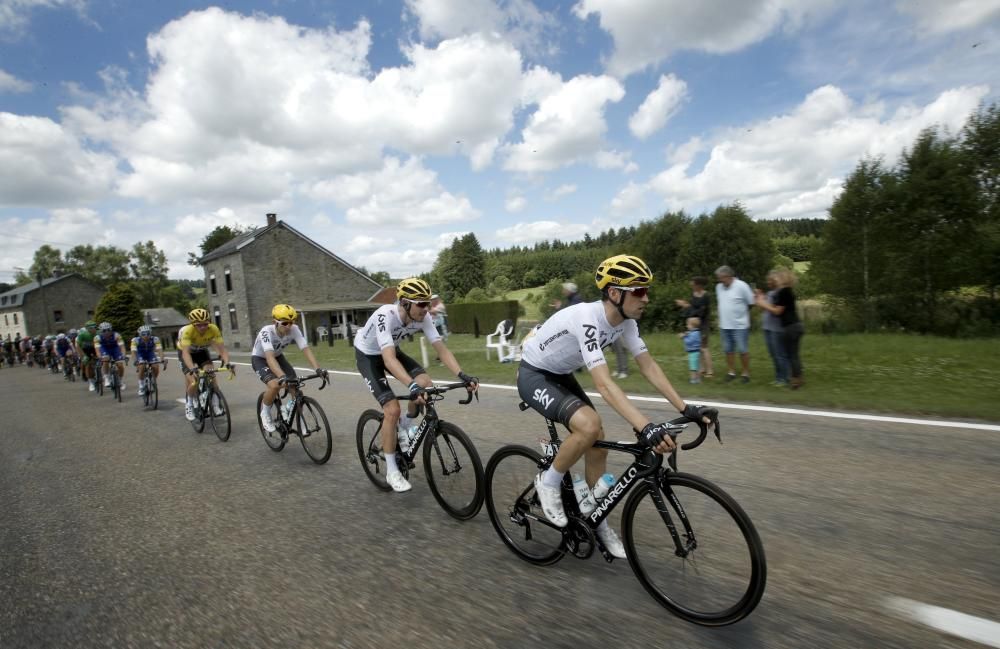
(323, 333)
(504, 331)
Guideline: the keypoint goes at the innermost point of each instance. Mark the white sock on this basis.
(552, 478)
(390, 463)
(189, 401)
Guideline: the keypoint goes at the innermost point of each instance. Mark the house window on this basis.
(90, 314)
(57, 315)
(211, 284)
(218, 318)
(6, 322)
(4, 299)
(229, 281)
(233, 323)
(15, 318)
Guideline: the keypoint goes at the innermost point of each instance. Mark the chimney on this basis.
(272, 219)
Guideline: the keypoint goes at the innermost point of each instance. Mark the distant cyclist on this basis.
(193, 343)
(268, 359)
(576, 337)
(376, 349)
(87, 352)
(110, 347)
(65, 352)
(146, 347)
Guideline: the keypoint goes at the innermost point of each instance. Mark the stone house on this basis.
(54, 305)
(275, 264)
(165, 323)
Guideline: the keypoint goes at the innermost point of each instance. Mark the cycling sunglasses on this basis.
(423, 305)
(285, 323)
(638, 291)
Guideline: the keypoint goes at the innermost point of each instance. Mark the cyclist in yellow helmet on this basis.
(193, 342)
(576, 337)
(376, 349)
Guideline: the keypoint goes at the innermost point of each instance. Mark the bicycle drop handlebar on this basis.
(288, 381)
(437, 392)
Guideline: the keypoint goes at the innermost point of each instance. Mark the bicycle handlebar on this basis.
(439, 390)
(287, 381)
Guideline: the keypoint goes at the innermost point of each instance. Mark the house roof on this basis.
(15, 296)
(234, 246)
(337, 306)
(164, 318)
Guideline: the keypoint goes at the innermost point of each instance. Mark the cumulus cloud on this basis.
(568, 126)
(10, 83)
(790, 164)
(398, 263)
(515, 203)
(629, 201)
(527, 233)
(15, 14)
(41, 164)
(936, 16)
(560, 191)
(517, 21)
(646, 32)
(658, 107)
(400, 194)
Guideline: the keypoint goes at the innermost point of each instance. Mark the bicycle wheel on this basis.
(274, 440)
(722, 578)
(314, 430)
(99, 381)
(154, 393)
(369, 442)
(217, 413)
(454, 471)
(116, 385)
(515, 510)
(198, 423)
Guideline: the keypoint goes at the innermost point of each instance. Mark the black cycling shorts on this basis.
(198, 356)
(373, 371)
(555, 396)
(263, 370)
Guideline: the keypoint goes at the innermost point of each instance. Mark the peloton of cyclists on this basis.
(65, 353)
(376, 349)
(193, 342)
(575, 337)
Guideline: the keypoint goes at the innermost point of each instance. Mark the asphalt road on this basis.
(124, 528)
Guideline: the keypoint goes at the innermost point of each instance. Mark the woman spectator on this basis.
(774, 333)
(699, 306)
(784, 308)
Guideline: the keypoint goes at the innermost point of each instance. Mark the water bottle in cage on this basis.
(548, 448)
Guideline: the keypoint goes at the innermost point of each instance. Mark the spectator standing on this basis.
(784, 307)
(735, 299)
(621, 358)
(439, 315)
(692, 345)
(773, 331)
(700, 306)
(571, 296)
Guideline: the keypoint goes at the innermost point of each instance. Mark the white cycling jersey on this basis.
(384, 329)
(575, 337)
(268, 340)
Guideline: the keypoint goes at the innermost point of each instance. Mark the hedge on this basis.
(463, 318)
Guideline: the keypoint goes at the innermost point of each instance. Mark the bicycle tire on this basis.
(274, 440)
(99, 381)
(369, 443)
(511, 500)
(216, 398)
(728, 556)
(447, 472)
(198, 423)
(116, 385)
(145, 393)
(156, 393)
(317, 428)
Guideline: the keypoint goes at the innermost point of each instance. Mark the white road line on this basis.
(965, 626)
(774, 409)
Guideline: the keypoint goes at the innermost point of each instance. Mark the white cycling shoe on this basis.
(189, 412)
(551, 500)
(266, 421)
(398, 483)
(611, 542)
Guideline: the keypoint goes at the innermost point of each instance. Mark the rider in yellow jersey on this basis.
(193, 344)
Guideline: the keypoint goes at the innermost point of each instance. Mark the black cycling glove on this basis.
(652, 434)
(415, 390)
(466, 379)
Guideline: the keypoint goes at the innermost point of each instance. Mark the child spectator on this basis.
(692, 345)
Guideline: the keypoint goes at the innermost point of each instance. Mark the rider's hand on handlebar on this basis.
(324, 373)
(655, 437)
(471, 382)
(416, 393)
(701, 414)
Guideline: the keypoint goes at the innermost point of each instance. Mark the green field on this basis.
(887, 373)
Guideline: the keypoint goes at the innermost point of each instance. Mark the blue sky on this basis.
(384, 129)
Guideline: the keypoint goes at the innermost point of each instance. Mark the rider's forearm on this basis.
(656, 377)
(223, 353)
(619, 402)
(447, 358)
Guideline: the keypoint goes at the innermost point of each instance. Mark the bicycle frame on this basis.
(430, 421)
(289, 427)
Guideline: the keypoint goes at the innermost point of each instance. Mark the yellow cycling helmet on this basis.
(198, 315)
(413, 288)
(284, 312)
(623, 270)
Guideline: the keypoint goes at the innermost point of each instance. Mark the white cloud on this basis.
(515, 203)
(518, 21)
(41, 164)
(568, 126)
(646, 32)
(10, 83)
(789, 164)
(560, 191)
(527, 233)
(658, 107)
(15, 14)
(398, 263)
(953, 15)
(399, 194)
(364, 243)
(629, 201)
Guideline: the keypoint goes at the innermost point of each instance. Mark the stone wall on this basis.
(73, 296)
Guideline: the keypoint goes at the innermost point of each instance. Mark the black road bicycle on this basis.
(451, 462)
(306, 419)
(69, 367)
(98, 376)
(114, 381)
(150, 391)
(210, 404)
(690, 545)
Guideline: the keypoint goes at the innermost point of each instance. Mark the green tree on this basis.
(850, 259)
(981, 147)
(46, 262)
(220, 235)
(459, 268)
(660, 244)
(104, 265)
(728, 237)
(149, 274)
(120, 307)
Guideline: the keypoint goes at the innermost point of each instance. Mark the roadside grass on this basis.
(887, 373)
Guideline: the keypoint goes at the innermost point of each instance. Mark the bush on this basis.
(120, 307)
(465, 317)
